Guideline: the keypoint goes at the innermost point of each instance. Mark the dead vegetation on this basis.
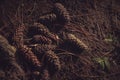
(60, 40)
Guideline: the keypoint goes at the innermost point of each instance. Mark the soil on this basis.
(94, 22)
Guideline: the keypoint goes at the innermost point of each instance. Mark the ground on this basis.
(95, 22)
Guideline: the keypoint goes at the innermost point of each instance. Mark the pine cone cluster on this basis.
(39, 48)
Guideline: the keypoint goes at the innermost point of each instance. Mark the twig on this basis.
(109, 75)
